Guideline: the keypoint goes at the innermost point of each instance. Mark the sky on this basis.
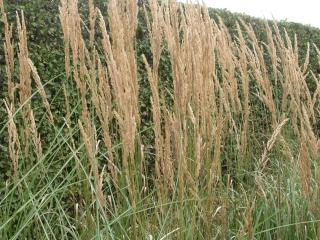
(301, 11)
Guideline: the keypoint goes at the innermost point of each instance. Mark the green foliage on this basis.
(52, 183)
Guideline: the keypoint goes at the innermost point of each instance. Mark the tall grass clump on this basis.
(233, 148)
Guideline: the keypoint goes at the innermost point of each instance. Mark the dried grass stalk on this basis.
(120, 57)
(9, 55)
(14, 144)
(277, 131)
(41, 91)
(25, 88)
(87, 137)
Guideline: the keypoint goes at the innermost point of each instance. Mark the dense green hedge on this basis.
(46, 50)
(46, 43)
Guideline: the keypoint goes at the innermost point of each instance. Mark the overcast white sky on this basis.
(302, 11)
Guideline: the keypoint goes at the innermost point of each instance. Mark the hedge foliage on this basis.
(45, 42)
